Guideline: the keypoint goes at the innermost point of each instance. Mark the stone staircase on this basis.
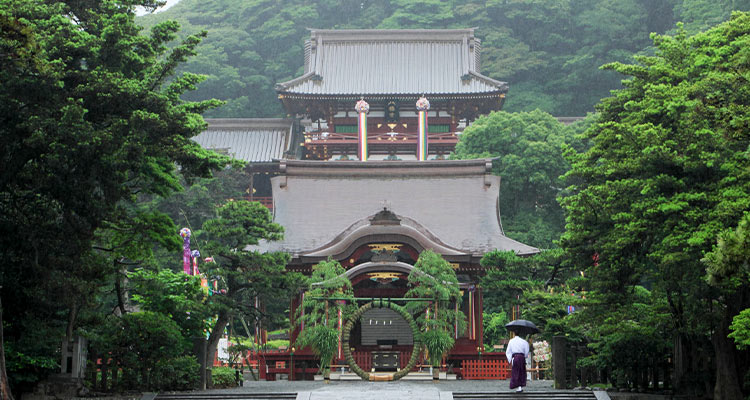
(532, 395)
(386, 395)
(226, 396)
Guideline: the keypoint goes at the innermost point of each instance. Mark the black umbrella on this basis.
(522, 327)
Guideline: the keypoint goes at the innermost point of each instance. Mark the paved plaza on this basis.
(404, 389)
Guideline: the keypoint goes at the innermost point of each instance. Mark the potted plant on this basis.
(329, 296)
(434, 279)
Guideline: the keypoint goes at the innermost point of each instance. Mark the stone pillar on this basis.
(74, 356)
(199, 349)
(559, 354)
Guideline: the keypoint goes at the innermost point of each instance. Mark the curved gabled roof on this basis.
(394, 62)
(417, 234)
(450, 206)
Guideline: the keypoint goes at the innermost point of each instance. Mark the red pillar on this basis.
(480, 310)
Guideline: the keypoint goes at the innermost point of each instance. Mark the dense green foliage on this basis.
(319, 314)
(89, 123)
(549, 51)
(173, 294)
(667, 171)
(542, 286)
(148, 347)
(433, 278)
(528, 147)
(729, 270)
(224, 377)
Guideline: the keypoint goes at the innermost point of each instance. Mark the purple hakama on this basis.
(518, 371)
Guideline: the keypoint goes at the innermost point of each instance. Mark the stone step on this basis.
(526, 395)
(226, 396)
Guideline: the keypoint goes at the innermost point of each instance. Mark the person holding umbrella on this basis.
(517, 351)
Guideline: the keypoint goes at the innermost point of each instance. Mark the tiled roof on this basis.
(397, 62)
(248, 139)
(451, 205)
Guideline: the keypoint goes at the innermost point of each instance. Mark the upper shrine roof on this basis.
(250, 139)
(354, 63)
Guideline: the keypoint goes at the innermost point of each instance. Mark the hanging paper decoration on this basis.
(362, 109)
(195, 254)
(185, 234)
(423, 105)
(204, 286)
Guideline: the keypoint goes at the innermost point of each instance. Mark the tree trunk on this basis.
(119, 292)
(727, 385)
(5, 393)
(213, 339)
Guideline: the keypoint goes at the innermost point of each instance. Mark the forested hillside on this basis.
(549, 51)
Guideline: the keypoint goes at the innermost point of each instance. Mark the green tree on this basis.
(91, 118)
(529, 150)
(173, 294)
(666, 173)
(245, 272)
(509, 275)
(320, 314)
(142, 343)
(728, 268)
(433, 278)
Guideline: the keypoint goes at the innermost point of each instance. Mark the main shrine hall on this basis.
(359, 172)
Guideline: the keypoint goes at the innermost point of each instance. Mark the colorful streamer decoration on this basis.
(185, 234)
(423, 105)
(341, 327)
(362, 109)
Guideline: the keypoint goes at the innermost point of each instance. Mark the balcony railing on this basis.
(334, 138)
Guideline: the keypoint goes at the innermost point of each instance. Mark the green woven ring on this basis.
(356, 316)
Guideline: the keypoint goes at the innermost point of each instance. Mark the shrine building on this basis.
(359, 173)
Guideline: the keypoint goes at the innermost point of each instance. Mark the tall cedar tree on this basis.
(90, 118)
(667, 171)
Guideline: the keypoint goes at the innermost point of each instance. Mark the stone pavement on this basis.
(408, 390)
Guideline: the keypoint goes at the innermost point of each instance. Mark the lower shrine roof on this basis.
(249, 139)
(449, 206)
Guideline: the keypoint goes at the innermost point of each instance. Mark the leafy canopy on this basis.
(329, 293)
(528, 150)
(433, 278)
(667, 171)
(92, 118)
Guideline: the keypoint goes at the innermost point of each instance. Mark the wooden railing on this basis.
(485, 369)
(267, 201)
(102, 373)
